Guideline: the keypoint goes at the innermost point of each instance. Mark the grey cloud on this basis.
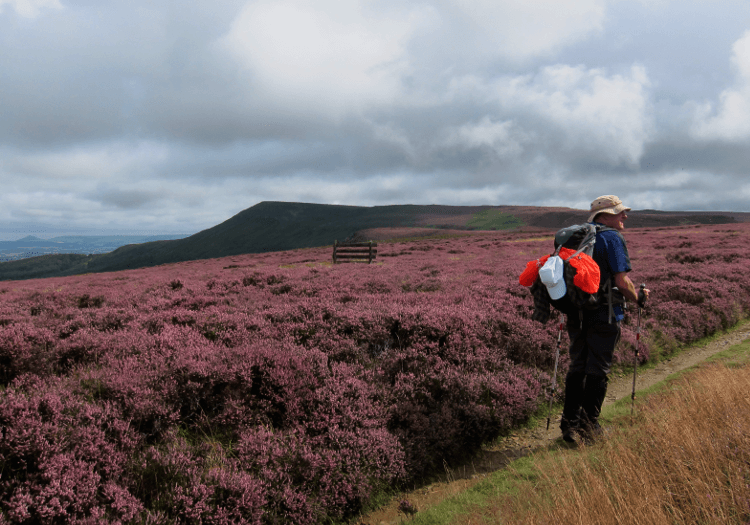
(720, 157)
(93, 72)
(104, 103)
(125, 199)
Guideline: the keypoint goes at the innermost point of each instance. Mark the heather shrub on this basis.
(86, 301)
(444, 414)
(138, 393)
(325, 422)
(107, 319)
(199, 491)
(25, 349)
(316, 480)
(63, 460)
(449, 389)
(625, 351)
(207, 389)
(523, 341)
(79, 346)
(282, 389)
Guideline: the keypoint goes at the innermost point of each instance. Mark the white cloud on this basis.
(30, 8)
(328, 54)
(468, 196)
(606, 117)
(188, 207)
(574, 112)
(561, 113)
(499, 137)
(731, 120)
(673, 180)
(339, 56)
(519, 30)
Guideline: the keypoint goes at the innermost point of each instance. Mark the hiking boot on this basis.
(569, 435)
(591, 432)
(568, 429)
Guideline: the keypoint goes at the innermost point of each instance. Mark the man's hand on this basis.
(642, 296)
(627, 288)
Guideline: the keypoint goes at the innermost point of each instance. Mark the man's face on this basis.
(614, 221)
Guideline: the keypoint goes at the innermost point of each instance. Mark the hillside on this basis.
(279, 226)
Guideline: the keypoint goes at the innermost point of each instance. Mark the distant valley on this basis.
(31, 246)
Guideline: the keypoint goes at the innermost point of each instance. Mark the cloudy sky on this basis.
(167, 116)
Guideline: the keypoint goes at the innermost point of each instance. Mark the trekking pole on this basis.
(637, 348)
(554, 376)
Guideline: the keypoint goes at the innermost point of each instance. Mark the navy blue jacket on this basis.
(611, 254)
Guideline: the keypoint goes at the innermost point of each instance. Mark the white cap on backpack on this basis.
(551, 275)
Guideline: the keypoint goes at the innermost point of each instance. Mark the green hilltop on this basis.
(265, 227)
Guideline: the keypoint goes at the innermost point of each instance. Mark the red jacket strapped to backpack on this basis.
(587, 271)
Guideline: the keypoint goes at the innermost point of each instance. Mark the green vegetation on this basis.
(43, 266)
(510, 482)
(735, 356)
(493, 219)
(552, 486)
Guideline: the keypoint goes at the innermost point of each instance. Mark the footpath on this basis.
(527, 440)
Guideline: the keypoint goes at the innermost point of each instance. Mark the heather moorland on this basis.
(277, 388)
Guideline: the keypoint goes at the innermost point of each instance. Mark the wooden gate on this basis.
(354, 252)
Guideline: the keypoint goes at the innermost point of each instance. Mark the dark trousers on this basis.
(592, 345)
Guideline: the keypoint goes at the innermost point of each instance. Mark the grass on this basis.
(684, 458)
(534, 239)
(660, 353)
(435, 237)
(494, 220)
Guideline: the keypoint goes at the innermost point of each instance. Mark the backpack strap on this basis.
(607, 289)
(603, 228)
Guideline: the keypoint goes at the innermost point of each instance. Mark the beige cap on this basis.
(607, 204)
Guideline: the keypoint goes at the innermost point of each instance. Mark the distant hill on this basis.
(278, 226)
(554, 218)
(31, 246)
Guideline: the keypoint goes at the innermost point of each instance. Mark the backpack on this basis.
(584, 291)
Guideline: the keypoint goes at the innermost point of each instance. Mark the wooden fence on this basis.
(354, 251)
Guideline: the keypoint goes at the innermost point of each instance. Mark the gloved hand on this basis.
(642, 296)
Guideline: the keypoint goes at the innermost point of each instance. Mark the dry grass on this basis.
(685, 461)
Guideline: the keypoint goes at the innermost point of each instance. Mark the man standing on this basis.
(594, 334)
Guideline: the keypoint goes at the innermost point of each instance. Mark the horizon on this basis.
(48, 232)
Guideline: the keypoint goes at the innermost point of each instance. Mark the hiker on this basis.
(595, 332)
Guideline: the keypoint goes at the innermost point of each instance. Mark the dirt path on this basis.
(525, 441)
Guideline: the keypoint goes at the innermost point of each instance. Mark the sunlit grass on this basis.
(684, 458)
(534, 239)
(494, 220)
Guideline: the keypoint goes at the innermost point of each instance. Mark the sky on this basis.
(161, 116)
